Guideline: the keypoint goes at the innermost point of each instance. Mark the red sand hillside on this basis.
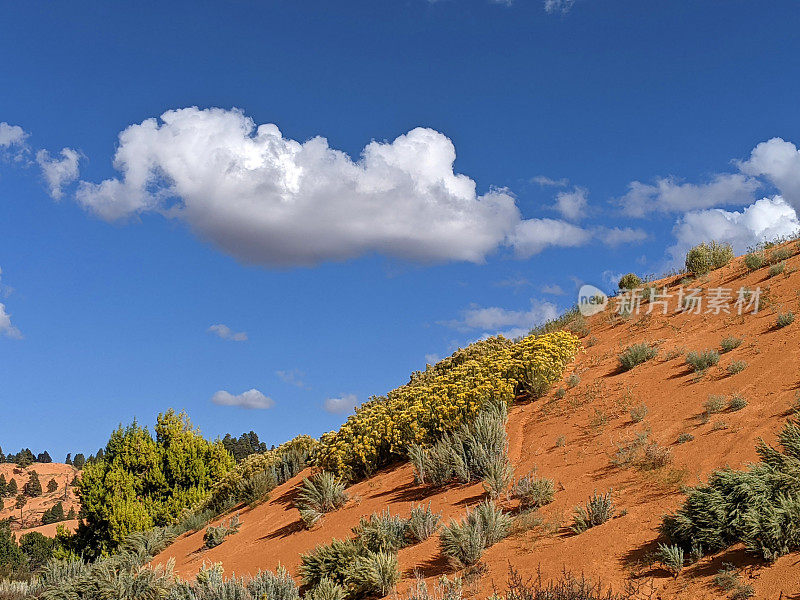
(572, 440)
(32, 512)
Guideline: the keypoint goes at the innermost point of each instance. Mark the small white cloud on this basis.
(513, 282)
(59, 172)
(553, 289)
(342, 404)
(558, 6)
(493, 320)
(615, 236)
(549, 182)
(251, 399)
(572, 204)
(226, 333)
(534, 235)
(763, 220)
(669, 195)
(293, 377)
(11, 135)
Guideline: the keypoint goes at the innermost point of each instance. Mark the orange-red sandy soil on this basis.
(35, 507)
(572, 440)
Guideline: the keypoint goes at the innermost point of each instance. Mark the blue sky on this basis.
(341, 248)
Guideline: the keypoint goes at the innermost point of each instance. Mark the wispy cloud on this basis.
(293, 377)
(432, 359)
(251, 399)
(670, 195)
(513, 282)
(342, 404)
(545, 181)
(553, 289)
(558, 6)
(493, 320)
(226, 333)
(59, 172)
(7, 329)
(572, 204)
(616, 236)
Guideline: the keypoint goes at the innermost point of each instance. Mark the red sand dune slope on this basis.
(32, 512)
(572, 440)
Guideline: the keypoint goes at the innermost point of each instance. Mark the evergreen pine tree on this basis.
(10, 554)
(25, 458)
(68, 460)
(3, 485)
(20, 504)
(33, 488)
(52, 486)
(79, 461)
(11, 488)
(71, 513)
(44, 457)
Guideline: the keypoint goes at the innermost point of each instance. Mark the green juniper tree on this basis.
(141, 482)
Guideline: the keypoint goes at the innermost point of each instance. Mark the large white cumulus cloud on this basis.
(764, 220)
(268, 199)
(779, 162)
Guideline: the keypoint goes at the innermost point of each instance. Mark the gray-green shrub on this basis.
(423, 522)
(737, 367)
(533, 491)
(671, 557)
(729, 343)
(599, 509)
(754, 261)
(714, 404)
(737, 402)
(463, 542)
(214, 536)
(321, 493)
(475, 451)
(700, 361)
(784, 319)
(706, 257)
(636, 354)
(758, 506)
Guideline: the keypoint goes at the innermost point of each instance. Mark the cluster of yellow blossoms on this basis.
(440, 398)
(257, 464)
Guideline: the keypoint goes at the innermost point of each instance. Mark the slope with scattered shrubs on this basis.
(569, 437)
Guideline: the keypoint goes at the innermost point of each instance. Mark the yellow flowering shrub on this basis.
(255, 464)
(443, 396)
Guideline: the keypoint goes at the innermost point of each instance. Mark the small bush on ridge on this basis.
(636, 354)
(700, 361)
(784, 319)
(533, 492)
(599, 509)
(753, 261)
(214, 536)
(671, 557)
(630, 282)
(729, 343)
(706, 257)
